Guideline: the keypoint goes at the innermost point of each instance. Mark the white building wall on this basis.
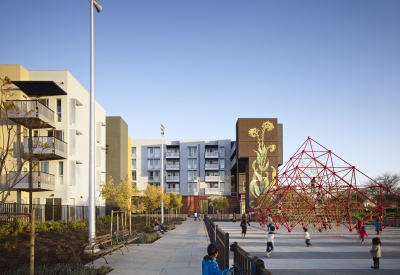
(76, 168)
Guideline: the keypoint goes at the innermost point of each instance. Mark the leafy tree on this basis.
(152, 197)
(121, 193)
(175, 201)
(220, 203)
(390, 191)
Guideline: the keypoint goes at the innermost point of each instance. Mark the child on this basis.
(307, 237)
(209, 266)
(362, 233)
(270, 241)
(377, 226)
(313, 181)
(376, 252)
(269, 221)
(243, 224)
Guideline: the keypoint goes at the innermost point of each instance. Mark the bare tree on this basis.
(13, 157)
(387, 187)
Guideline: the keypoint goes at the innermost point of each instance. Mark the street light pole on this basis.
(92, 209)
(162, 172)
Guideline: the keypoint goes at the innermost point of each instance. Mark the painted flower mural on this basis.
(262, 182)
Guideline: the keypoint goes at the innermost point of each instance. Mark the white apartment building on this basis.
(60, 105)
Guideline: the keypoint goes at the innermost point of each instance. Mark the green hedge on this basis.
(63, 269)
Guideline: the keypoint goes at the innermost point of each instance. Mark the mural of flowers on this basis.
(261, 183)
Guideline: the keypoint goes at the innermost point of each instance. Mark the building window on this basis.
(222, 152)
(222, 187)
(133, 175)
(153, 152)
(60, 172)
(133, 152)
(222, 175)
(133, 164)
(192, 151)
(153, 163)
(222, 163)
(44, 166)
(154, 175)
(59, 109)
(192, 187)
(192, 175)
(192, 163)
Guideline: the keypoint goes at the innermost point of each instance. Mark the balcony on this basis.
(30, 113)
(172, 178)
(41, 181)
(172, 190)
(212, 191)
(48, 148)
(172, 167)
(211, 178)
(157, 179)
(211, 154)
(211, 166)
(171, 154)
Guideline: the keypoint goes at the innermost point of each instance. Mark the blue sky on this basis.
(325, 69)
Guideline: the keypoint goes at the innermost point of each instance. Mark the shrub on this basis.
(148, 237)
(63, 269)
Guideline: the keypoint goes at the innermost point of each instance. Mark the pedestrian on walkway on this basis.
(209, 266)
(362, 233)
(269, 219)
(377, 226)
(234, 217)
(376, 252)
(307, 237)
(195, 216)
(270, 241)
(244, 224)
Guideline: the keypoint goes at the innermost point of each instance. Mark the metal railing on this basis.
(29, 108)
(211, 166)
(245, 264)
(220, 239)
(48, 212)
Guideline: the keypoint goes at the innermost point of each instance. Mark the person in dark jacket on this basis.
(209, 266)
(244, 224)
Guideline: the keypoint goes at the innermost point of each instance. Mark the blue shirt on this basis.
(209, 266)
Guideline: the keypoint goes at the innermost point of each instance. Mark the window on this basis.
(153, 163)
(44, 101)
(192, 175)
(60, 172)
(133, 152)
(133, 164)
(59, 109)
(153, 152)
(222, 152)
(44, 166)
(192, 187)
(222, 163)
(154, 175)
(133, 175)
(222, 186)
(222, 175)
(36, 201)
(192, 151)
(192, 163)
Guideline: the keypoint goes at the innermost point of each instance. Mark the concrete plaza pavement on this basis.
(333, 252)
(180, 251)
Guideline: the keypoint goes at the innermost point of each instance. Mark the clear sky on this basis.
(325, 69)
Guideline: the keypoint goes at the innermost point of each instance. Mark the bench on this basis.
(125, 238)
(105, 245)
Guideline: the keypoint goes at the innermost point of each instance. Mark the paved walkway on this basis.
(179, 251)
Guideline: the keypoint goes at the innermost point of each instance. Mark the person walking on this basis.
(270, 241)
(376, 252)
(377, 226)
(195, 216)
(269, 220)
(307, 237)
(234, 217)
(244, 224)
(263, 220)
(362, 233)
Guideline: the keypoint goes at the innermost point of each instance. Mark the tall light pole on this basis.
(92, 208)
(162, 172)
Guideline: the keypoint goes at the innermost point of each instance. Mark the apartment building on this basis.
(196, 169)
(59, 106)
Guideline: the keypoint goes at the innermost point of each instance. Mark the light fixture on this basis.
(97, 6)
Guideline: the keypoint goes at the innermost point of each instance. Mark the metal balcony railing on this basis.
(172, 178)
(212, 191)
(211, 166)
(172, 190)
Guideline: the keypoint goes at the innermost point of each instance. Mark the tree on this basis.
(220, 203)
(175, 201)
(13, 157)
(121, 193)
(390, 183)
(152, 197)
